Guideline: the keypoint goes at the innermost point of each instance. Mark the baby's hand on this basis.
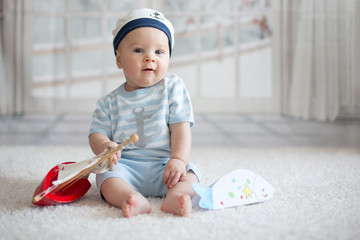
(175, 171)
(117, 155)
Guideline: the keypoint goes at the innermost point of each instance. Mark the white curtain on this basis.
(317, 57)
(7, 86)
(3, 94)
(4, 88)
(11, 77)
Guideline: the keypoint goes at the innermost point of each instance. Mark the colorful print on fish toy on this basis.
(239, 187)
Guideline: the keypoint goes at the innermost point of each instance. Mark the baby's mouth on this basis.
(148, 70)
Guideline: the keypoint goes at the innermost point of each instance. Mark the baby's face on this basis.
(143, 54)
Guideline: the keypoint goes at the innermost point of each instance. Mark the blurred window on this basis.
(72, 39)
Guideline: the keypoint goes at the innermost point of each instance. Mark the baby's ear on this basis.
(118, 61)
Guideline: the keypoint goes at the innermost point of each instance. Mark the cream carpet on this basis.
(317, 196)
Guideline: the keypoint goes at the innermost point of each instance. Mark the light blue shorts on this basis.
(146, 177)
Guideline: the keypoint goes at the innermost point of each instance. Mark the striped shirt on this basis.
(146, 112)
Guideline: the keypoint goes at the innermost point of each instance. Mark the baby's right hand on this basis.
(117, 155)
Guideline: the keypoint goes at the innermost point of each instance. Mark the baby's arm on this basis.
(175, 169)
(99, 142)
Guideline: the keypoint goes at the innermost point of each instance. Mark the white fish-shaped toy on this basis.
(239, 187)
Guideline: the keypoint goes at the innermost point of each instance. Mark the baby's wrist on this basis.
(178, 160)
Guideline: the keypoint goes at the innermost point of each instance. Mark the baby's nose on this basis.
(149, 58)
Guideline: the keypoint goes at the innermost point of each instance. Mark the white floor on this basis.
(210, 130)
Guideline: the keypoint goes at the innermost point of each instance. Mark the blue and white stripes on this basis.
(147, 112)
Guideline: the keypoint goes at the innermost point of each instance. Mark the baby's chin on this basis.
(131, 87)
(151, 83)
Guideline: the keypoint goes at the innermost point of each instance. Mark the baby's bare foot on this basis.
(180, 205)
(135, 205)
(185, 205)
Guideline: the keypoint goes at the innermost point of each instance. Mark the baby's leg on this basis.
(120, 194)
(178, 199)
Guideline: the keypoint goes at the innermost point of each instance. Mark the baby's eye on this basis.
(138, 50)
(159, 52)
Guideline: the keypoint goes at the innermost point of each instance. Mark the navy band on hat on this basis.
(138, 23)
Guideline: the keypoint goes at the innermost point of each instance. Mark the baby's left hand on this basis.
(175, 171)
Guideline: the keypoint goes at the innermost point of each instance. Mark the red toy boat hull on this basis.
(70, 193)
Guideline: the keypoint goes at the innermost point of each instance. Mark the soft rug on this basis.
(316, 196)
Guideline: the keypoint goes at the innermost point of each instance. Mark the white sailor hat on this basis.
(142, 18)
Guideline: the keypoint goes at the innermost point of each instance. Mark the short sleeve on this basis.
(180, 107)
(101, 121)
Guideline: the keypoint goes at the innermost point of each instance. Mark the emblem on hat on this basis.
(157, 15)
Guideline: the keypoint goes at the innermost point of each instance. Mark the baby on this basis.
(156, 106)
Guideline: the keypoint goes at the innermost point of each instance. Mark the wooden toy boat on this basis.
(68, 181)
